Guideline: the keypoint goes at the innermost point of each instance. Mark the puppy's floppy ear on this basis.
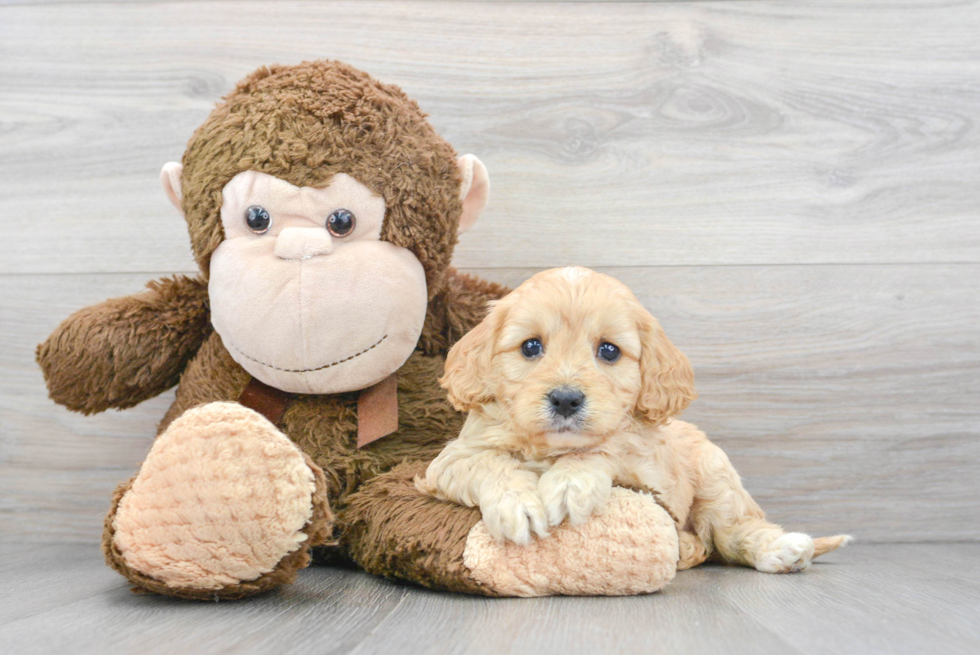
(468, 363)
(667, 377)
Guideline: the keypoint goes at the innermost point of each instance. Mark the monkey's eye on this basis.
(258, 219)
(532, 348)
(608, 352)
(340, 223)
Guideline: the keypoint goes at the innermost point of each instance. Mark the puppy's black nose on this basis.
(565, 401)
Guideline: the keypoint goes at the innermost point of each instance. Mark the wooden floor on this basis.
(866, 599)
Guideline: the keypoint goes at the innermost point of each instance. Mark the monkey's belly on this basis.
(325, 426)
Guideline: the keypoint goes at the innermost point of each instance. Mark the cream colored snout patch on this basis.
(326, 324)
(306, 311)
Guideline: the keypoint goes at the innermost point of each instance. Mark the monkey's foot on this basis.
(225, 506)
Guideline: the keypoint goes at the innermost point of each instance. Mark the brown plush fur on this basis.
(451, 311)
(123, 351)
(303, 124)
(392, 530)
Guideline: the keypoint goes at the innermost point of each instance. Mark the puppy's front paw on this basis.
(790, 552)
(575, 493)
(514, 516)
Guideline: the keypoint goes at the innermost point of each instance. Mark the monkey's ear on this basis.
(474, 191)
(170, 179)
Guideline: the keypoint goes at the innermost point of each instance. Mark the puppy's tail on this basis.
(823, 545)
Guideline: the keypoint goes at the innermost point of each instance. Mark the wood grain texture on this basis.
(96, 612)
(867, 598)
(845, 395)
(646, 133)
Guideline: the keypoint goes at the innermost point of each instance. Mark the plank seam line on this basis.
(62, 3)
(13, 274)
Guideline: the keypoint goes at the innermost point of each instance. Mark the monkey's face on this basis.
(304, 293)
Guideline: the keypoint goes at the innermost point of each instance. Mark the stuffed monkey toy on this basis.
(322, 210)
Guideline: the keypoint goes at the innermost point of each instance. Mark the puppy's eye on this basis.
(340, 223)
(608, 352)
(532, 348)
(257, 219)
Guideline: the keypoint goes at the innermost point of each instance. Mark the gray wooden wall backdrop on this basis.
(792, 187)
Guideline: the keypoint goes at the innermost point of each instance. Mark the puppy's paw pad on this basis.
(575, 495)
(553, 493)
(514, 516)
(790, 552)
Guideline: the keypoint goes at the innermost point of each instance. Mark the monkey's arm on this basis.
(457, 309)
(125, 350)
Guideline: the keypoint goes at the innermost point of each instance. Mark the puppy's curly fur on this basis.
(571, 386)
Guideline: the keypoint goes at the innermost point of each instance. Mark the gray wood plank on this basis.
(845, 395)
(889, 600)
(42, 577)
(697, 133)
(329, 611)
(440, 623)
(859, 600)
(82, 2)
(892, 598)
(57, 468)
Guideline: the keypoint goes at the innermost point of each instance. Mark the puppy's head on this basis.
(570, 356)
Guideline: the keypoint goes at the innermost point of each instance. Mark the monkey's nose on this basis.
(566, 401)
(303, 243)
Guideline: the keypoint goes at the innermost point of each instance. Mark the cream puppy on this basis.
(570, 385)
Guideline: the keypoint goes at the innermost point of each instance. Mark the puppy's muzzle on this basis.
(566, 401)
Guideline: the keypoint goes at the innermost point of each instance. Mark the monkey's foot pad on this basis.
(222, 498)
(629, 548)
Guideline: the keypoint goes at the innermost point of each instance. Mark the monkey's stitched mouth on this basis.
(310, 370)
